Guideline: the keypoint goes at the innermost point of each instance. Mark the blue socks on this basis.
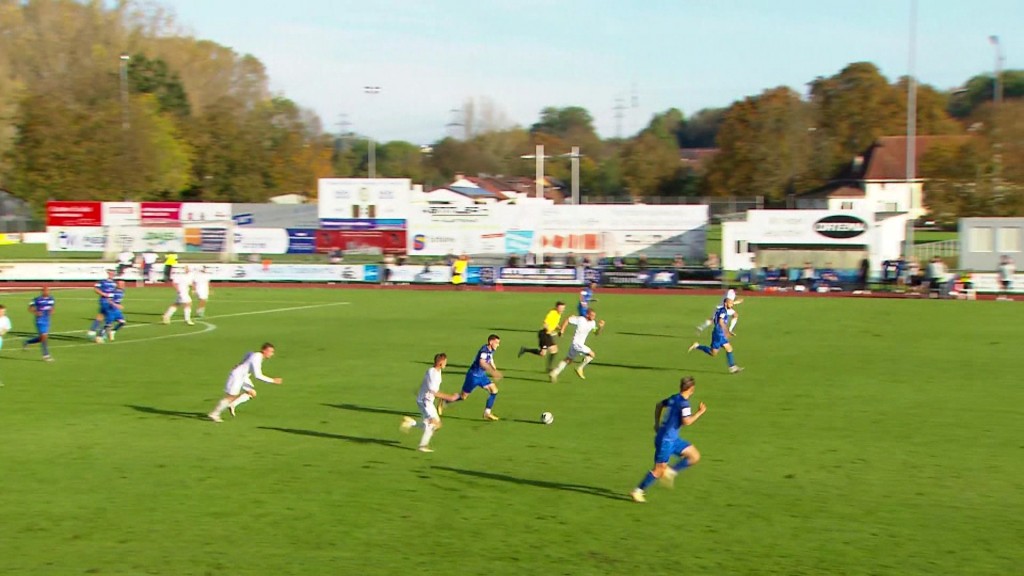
(704, 349)
(35, 340)
(683, 464)
(46, 348)
(95, 325)
(647, 481)
(729, 357)
(490, 401)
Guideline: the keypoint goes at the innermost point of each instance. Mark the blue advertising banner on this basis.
(301, 241)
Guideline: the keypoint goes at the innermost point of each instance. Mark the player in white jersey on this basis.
(239, 387)
(5, 324)
(584, 326)
(201, 283)
(734, 316)
(430, 389)
(182, 281)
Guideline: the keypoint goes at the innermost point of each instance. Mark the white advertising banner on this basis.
(121, 213)
(988, 283)
(76, 239)
(197, 212)
(49, 271)
(434, 230)
(823, 227)
(261, 240)
(422, 274)
(361, 198)
(157, 239)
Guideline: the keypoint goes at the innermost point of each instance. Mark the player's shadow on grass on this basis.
(356, 439)
(564, 486)
(498, 331)
(54, 337)
(388, 411)
(172, 413)
(648, 334)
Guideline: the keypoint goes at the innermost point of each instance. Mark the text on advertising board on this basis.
(840, 226)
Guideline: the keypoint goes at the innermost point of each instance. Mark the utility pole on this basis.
(372, 144)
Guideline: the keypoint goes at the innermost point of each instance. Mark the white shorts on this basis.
(579, 350)
(234, 386)
(203, 294)
(183, 299)
(428, 410)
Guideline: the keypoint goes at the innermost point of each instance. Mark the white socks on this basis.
(240, 400)
(587, 360)
(221, 406)
(428, 431)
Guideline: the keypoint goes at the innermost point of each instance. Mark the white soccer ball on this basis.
(547, 417)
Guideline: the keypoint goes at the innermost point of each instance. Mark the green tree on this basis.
(146, 76)
(766, 147)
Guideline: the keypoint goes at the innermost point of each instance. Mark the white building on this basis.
(877, 182)
(838, 239)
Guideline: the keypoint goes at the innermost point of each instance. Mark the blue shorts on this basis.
(582, 309)
(718, 339)
(114, 315)
(43, 326)
(474, 381)
(668, 447)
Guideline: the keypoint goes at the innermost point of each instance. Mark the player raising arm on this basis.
(239, 387)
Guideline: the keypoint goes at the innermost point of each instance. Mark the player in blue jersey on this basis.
(114, 320)
(720, 337)
(483, 373)
(667, 442)
(734, 316)
(104, 288)
(42, 308)
(586, 297)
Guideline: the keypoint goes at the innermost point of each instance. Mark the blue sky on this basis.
(518, 56)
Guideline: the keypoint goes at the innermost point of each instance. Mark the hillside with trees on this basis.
(116, 102)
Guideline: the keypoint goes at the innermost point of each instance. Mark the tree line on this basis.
(101, 101)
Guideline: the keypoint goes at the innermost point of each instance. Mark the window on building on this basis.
(846, 205)
(981, 239)
(1008, 240)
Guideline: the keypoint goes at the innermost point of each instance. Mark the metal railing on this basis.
(942, 249)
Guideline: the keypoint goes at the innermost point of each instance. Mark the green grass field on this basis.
(864, 437)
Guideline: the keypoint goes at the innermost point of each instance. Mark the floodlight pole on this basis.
(911, 130)
(372, 152)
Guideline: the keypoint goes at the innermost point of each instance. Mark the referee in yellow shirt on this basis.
(546, 345)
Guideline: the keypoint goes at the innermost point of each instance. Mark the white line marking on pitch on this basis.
(209, 327)
(250, 313)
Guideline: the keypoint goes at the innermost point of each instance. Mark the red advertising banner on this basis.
(160, 213)
(361, 241)
(73, 213)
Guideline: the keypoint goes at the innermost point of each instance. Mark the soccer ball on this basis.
(547, 417)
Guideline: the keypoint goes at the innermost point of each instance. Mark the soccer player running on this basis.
(104, 288)
(584, 326)
(182, 285)
(430, 389)
(483, 373)
(586, 298)
(667, 442)
(720, 337)
(5, 324)
(734, 316)
(42, 308)
(546, 345)
(114, 319)
(201, 283)
(239, 388)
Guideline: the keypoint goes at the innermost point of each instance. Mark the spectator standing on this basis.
(1007, 269)
(148, 261)
(807, 276)
(170, 261)
(125, 260)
